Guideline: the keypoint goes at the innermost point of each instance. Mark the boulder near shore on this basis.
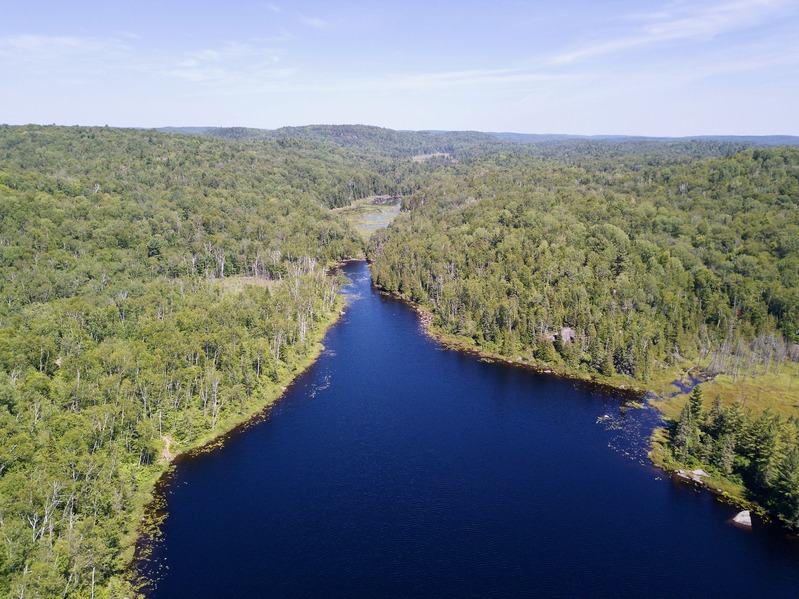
(743, 518)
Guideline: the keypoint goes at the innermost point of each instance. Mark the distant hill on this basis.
(370, 142)
(364, 138)
(748, 140)
(349, 135)
(185, 130)
(754, 140)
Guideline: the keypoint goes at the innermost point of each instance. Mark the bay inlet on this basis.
(396, 468)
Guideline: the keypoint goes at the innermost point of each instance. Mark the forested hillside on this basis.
(376, 141)
(641, 264)
(154, 290)
(618, 264)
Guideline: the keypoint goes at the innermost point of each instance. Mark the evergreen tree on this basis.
(696, 405)
(686, 438)
(787, 487)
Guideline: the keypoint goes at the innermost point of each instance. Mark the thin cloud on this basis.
(468, 78)
(682, 22)
(707, 22)
(41, 48)
(234, 65)
(754, 63)
(316, 22)
(416, 83)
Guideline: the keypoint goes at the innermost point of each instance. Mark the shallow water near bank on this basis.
(394, 467)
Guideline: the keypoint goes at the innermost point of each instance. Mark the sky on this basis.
(587, 67)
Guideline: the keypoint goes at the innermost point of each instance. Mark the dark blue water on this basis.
(394, 468)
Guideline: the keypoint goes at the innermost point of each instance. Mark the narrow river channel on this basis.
(396, 468)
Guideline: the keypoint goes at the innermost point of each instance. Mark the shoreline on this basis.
(455, 343)
(151, 511)
(695, 375)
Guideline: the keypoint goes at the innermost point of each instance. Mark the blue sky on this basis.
(573, 66)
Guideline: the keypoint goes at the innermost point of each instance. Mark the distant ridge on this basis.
(750, 140)
(369, 142)
(355, 133)
(765, 140)
(364, 139)
(185, 130)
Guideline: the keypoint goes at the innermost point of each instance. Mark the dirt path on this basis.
(166, 453)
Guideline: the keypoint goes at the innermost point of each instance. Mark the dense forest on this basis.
(613, 269)
(156, 288)
(372, 141)
(623, 265)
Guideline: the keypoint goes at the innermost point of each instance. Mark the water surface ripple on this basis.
(395, 468)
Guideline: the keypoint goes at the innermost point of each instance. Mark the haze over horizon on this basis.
(671, 68)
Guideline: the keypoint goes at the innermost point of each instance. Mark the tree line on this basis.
(641, 265)
(622, 265)
(757, 451)
(152, 287)
(161, 286)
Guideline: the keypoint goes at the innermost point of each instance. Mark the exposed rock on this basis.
(692, 475)
(567, 334)
(743, 518)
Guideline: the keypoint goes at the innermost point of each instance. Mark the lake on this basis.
(396, 468)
